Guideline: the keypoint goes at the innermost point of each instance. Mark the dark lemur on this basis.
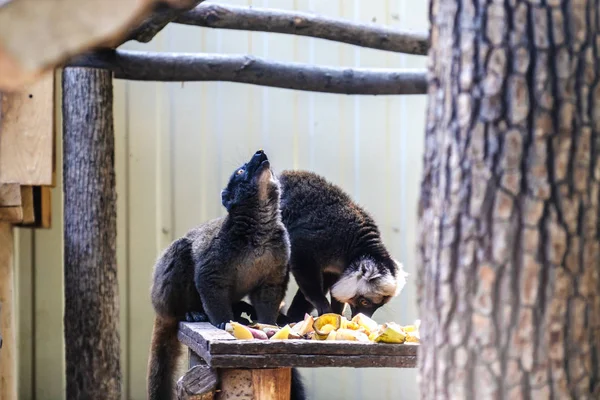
(218, 263)
(336, 247)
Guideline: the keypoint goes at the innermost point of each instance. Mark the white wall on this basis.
(177, 144)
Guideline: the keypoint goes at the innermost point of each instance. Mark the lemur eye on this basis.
(365, 302)
(240, 171)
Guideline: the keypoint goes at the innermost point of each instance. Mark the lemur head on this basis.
(252, 183)
(367, 284)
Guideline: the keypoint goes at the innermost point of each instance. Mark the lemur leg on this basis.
(328, 281)
(311, 284)
(215, 297)
(266, 300)
(299, 307)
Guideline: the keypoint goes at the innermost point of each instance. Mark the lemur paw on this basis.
(195, 316)
(222, 325)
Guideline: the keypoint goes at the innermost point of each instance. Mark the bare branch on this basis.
(304, 24)
(163, 13)
(176, 67)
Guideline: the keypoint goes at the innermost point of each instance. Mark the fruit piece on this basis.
(390, 333)
(331, 335)
(264, 327)
(283, 333)
(349, 334)
(412, 338)
(294, 335)
(326, 329)
(354, 326)
(305, 326)
(366, 322)
(334, 320)
(241, 332)
(270, 333)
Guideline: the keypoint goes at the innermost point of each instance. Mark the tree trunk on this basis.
(91, 292)
(509, 246)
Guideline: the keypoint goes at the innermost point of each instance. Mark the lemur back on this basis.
(336, 246)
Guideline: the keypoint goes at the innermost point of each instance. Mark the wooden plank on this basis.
(266, 384)
(13, 215)
(10, 194)
(218, 341)
(27, 205)
(37, 36)
(235, 384)
(8, 366)
(311, 347)
(310, 361)
(27, 134)
(271, 384)
(223, 351)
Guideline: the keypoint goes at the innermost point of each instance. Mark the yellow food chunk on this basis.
(349, 334)
(326, 329)
(240, 331)
(390, 333)
(365, 322)
(321, 325)
(283, 333)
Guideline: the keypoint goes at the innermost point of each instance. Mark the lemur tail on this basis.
(297, 389)
(165, 350)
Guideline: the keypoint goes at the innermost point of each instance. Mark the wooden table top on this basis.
(219, 349)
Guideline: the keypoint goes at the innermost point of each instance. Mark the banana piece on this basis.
(321, 327)
(390, 333)
(304, 327)
(366, 322)
(352, 335)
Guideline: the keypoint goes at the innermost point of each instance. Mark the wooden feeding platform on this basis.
(215, 355)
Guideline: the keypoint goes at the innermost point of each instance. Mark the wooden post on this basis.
(8, 370)
(91, 292)
(255, 384)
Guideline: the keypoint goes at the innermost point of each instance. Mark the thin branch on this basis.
(164, 12)
(304, 24)
(177, 67)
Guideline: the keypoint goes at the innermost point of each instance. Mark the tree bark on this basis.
(509, 245)
(91, 293)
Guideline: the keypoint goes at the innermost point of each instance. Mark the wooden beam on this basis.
(27, 205)
(10, 194)
(36, 36)
(91, 315)
(27, 134)
(8, 366)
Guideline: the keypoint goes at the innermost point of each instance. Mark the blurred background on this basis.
(177, 144)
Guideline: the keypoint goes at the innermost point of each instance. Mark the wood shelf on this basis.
(219, 349)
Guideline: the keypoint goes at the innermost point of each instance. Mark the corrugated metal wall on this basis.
(177, 144)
